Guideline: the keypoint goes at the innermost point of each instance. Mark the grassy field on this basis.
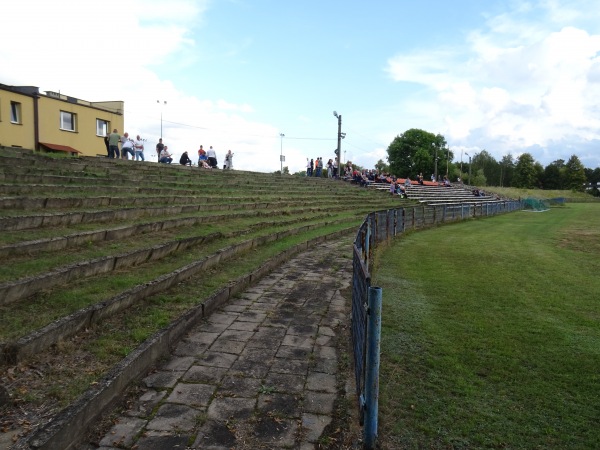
(491, 333)
(510, 192)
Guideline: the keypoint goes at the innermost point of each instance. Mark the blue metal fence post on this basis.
(368, 243)
(372, 369)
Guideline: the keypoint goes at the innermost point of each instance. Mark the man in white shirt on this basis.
(212, 157)
(126, 147)
(139, 148)
(165, 156)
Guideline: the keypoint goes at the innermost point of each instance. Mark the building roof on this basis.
(60, 148)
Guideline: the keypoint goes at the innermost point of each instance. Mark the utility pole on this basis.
(281, 136)
(161, 110)
(469, 168)
(340, 136)
(436, 160)
(339, 142)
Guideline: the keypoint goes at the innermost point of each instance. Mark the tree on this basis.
(593, 178)
(491, 169)
(414, 151)
(286, 171)
(539, 174)
(551, 178)
(421, 161)
(507, 169)
(479, 178)
(525, 172)
(382, 167)
(575, 174)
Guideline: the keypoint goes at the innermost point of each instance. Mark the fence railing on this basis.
(380, 226)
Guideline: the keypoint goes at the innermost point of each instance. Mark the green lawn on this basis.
(491, 333)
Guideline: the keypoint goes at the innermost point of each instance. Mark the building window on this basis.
(15, 112)
(102, 127)
(67, 121)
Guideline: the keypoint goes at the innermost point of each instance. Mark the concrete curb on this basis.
(35, 342)
(17, 223)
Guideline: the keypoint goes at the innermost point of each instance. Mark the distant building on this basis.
(56, 122)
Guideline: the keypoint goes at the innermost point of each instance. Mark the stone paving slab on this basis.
(259, 373)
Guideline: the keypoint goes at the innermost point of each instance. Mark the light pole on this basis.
(340, 136)
(164, 102)
(436, 159)
(447, 160)
(469, 183)
(281, 157)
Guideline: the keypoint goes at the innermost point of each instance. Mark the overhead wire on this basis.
(164, 121)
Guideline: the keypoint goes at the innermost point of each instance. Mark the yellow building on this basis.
(56, 122)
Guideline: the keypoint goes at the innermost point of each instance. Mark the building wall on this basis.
(20, 134)
(84, 137)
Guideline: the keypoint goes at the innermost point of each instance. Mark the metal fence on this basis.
(381, 226)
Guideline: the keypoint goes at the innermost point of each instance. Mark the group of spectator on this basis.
(314, 167)
(118, 146)
(207, 159)
(162, 153)
(366, 177)
(129, 147)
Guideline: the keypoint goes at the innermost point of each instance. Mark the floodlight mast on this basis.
(281, 136)
(469, 182)
(339, 142)
(164, 102)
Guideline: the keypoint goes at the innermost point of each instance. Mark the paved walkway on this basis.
(261, 373)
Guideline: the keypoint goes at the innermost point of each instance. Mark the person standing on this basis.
(139, 148)
(311, 168)
(126, 147)
(113, 144)
(159, 148)
(201, 155)
(212, 157)
(106, 138)
(228, 161)
(330, 168)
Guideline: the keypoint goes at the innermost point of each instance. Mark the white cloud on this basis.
(520, 82)
(109, 53)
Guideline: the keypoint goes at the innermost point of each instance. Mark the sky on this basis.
(504, 76)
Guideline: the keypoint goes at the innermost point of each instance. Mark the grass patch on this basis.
(110, 341)
(491, 334)
(511, 192)
(25, 316)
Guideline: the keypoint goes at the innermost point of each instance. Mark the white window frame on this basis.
(15, 112)
(63, 122)
(102, 130)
